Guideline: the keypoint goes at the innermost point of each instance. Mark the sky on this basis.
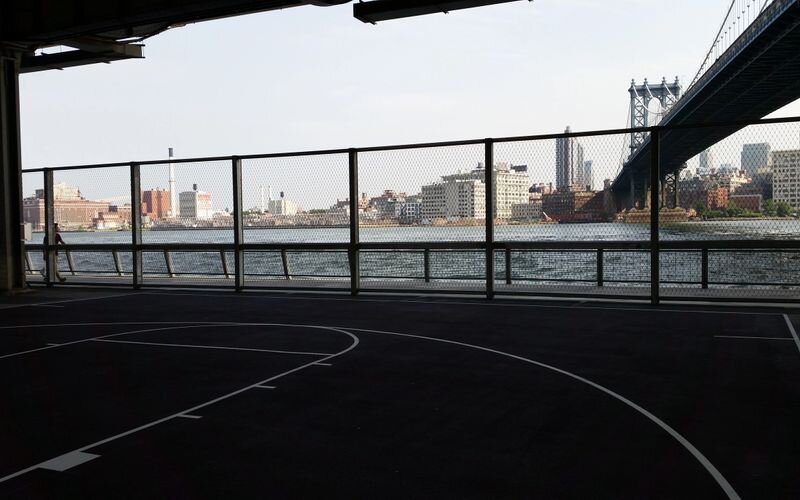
(310, 78)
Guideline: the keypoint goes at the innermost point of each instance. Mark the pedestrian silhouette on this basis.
(43, 270)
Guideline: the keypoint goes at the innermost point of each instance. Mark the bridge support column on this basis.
(12, 262)
(632, 198)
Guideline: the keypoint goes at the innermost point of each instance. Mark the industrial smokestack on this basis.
(173, 192)
(261, 189)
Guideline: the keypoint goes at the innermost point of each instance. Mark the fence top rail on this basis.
(435, 245)
(423, 145)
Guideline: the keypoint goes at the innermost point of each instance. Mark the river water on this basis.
(730, 268)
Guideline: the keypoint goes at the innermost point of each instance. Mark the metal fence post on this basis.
(426, 264)
(599, 267)
(287, 273)
(704, 268)
(655, 173)
(50, 261)
(488, 146)
(508, 265)
(355, 264)
(238, 234)
(136, 225)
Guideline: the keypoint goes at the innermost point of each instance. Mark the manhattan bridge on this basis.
(751, 69)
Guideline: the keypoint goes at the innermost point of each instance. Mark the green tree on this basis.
(783, 209)
(770, 209)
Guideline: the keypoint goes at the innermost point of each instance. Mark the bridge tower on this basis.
(641, 95)
(667, 95)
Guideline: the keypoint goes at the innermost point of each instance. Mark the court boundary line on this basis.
(82, 299)
(792, 331)
(750, 337)
(477, 302)
(207, 403)
(696, 453)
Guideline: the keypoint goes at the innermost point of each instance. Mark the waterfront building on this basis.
(70, 209)
(282, 206)
(755, 156)
(195, 204)
(454, 198)
(569, 163)
(156, 203)
(572, 206)
(527, 211)
(786, 176)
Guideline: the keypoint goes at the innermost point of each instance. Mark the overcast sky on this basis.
(316, 78)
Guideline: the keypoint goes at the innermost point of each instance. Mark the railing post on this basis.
(168, 263)
(426, 264)
(508, 265)
(355, 264)
(488, 146)
(136, 225)
(117, 262)
(224, 261)
(655, 172)
(70, 263)
(704, 268)
(28, 263)
(285, 261)
(50, 259)
(238, 227)
(599, 267)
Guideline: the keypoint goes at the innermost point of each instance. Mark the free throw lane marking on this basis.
(67, 461)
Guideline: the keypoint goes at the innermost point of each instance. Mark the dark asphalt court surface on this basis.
(221, 395)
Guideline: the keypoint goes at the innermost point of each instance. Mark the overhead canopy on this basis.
(107, 30)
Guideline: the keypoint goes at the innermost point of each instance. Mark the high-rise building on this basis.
(588, 175)
(786, 176)
(569, 163)
(755, 156)
(195, 204)
(706, 162)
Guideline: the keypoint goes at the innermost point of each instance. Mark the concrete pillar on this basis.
(632, 198)
(12, 262)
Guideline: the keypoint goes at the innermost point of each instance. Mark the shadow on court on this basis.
(203, 395)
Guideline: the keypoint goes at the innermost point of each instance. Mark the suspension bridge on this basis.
(751, 69)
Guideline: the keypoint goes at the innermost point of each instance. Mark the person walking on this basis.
(59, 240)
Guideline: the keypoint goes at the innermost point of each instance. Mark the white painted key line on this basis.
(75, 456)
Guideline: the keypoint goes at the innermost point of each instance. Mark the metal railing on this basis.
(490, 266)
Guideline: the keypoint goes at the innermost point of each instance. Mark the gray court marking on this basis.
(792, 331)
(324, 364)
(65, 301)
(184, 415)
(193, 409)
(476, 303)
(712, 470)
(223, 348)
(67, 461)
(266, 387)
(750, 338)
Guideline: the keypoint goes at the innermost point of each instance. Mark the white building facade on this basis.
(786, 176)
(195, 205)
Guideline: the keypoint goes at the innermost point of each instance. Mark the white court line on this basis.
(207, 403)
(477, 302)
(324, 364)
(712, 470)
(224, 348)
(792, 331)
(65, 301)
(266, 387)
(185, 415)
(752, 338)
